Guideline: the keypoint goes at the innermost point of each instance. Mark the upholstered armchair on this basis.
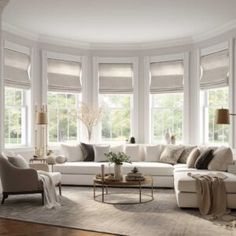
(23, 181)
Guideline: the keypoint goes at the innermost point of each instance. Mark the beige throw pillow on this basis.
(193, 156)
(171, 154)
(184, 156)
(223, 157)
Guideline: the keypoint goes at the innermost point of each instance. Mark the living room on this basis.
(118, 117)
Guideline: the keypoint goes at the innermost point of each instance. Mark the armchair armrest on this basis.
(40, 166)
(20, 180)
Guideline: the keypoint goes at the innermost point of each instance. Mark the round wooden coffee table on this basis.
(105, 184)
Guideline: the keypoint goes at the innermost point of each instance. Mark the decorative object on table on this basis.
(132, 140)
(172, 139)
(118, 159)
(89, 117)
(41, 121)
(167, 136)
(51, 160)
(134, 175)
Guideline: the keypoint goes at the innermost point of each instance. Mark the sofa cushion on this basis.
(116, 148)
(153, 152)
(88, 152)
(132, 150)
(93, 168)
(99, 152)
(185, 183)
(72, 152)
(184, 156)
(171, 154)
(222, 158)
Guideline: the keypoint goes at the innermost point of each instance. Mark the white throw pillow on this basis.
(132, 150)
(153, 152)
(72, 153)
(116, 148)
(18, 161)
(223, 157)
(99, 152)
(171, 154)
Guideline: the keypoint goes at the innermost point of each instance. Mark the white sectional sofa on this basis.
(164, 175)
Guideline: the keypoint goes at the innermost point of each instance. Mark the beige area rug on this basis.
(79, 210)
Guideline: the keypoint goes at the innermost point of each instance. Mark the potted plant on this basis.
(118, 159)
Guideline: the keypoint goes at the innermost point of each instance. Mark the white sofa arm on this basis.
(232, 168)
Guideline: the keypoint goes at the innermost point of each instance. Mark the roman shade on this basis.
(167, 76)
(64, 76)
(115, 78)
(16, 69)
(214, 70)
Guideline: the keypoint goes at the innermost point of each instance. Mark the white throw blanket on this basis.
(50, 197)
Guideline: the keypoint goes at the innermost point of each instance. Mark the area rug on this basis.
(159, 217)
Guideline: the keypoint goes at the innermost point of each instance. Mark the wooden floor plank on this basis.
(22, 228)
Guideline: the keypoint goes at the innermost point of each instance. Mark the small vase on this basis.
(117, 172)
(167, 136)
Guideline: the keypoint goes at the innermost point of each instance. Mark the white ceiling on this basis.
(119, 21)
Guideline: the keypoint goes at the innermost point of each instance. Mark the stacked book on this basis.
(134, 176)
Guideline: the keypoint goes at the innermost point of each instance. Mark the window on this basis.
(64, 85)
(116, 93)
(214, 95)
(15, 116)
(62, 113)
(167, 113)
(215, 99)
(116, 119)
(17, 97)
(166, 88)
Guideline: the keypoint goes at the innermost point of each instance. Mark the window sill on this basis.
(20, 148)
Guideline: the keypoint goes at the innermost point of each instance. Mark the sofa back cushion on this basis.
(193, 156)
(171, 154)
(88, 151)
(72, 152)
(117, 148)
(132, 150)
(18, 161)
(222, 157)
(99, 152)
(184, 156)
(152, 153)
(204, 159)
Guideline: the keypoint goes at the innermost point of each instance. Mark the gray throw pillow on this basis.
(184, 156)
(18, 161)
(60, 159)
(171, 154)
(193, 156)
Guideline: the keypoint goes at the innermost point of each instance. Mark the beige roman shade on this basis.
(16, 69)
(166, 77)
(64, 76)
(214, 70)
(115, 78)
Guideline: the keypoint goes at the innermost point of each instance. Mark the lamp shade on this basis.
(222, 116)
(41, 118)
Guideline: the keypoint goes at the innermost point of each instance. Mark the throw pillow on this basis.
(204, 159)
(223, 157)
(72, 152)
(193, 156)
(99, 152)
(18, 161)
(153, 152)
(171, 154)
(60, 159)
(132, 150)
(184, 156)
(88, 152)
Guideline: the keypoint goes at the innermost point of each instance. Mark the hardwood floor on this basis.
(21, 228)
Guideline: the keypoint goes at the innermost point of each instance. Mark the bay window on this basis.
(17, 98)
(214, 95)
(63, 99)
(116, 99)
(166, 99)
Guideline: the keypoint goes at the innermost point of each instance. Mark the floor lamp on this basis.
(222, 116)
(41, 140)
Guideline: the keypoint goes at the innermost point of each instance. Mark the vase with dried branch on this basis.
(89, 117)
